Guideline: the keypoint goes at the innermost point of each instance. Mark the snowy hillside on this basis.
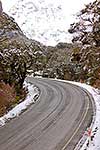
(44, 20)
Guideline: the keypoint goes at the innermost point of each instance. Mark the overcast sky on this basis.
(43, 28)
(71, 6)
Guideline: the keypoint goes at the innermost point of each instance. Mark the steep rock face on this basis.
(42, 20)
(12, 36)
(8, 28)
(10, 31)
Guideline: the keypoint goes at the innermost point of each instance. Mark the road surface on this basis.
(55, 122)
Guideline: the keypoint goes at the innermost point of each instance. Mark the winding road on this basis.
(55, 122)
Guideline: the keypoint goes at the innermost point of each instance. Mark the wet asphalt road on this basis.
(55, 122)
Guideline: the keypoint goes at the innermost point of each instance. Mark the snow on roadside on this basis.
(92, 142)
(33, 93)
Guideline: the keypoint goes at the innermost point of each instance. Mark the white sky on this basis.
(70, 6)
(73, 6)
(42, 29)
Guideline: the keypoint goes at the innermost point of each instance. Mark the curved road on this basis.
(55, 122)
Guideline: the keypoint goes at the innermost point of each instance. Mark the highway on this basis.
(55, 122)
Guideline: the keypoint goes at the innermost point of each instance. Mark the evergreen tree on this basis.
(86, 31)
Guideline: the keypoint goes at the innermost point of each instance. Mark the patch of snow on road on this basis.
(33, 93)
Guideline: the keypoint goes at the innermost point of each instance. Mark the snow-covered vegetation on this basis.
(46, 21)
(33, 93)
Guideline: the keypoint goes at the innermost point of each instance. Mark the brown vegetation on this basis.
(7, 97)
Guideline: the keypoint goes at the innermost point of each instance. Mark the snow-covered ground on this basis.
(45, 20)
(33, 93)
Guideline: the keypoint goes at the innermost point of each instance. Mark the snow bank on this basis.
(32, 95)
(92, 142)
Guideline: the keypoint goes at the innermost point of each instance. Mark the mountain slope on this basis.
(44, 20)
